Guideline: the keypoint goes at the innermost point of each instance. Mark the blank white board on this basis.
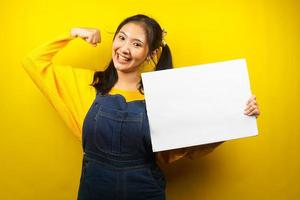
(199, 104)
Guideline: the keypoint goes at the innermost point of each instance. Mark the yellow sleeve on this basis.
(167, 157)
(67, 88)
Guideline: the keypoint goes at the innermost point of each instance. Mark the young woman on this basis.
(118, 161)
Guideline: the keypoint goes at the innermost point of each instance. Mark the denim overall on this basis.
(118, 162)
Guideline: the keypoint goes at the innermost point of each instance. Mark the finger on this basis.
(93, 41)
(249, 106)
(89, 40)
(97, 35)
(252, 98)
(249, 100)
(254, 112)
(97, 38)
(256, 107)
(249, 110)
(252, 103)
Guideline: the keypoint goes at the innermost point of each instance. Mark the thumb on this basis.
(88, 39)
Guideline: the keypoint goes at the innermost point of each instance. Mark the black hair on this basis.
(103, 81)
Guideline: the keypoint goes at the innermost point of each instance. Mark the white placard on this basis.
(198, 104)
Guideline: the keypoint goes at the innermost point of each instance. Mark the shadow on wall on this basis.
(187, 177)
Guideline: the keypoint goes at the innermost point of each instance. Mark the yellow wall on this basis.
(40, 158)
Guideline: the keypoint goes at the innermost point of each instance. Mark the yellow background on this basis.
(41, 159)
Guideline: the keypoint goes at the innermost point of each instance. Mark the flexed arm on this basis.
(67, 88)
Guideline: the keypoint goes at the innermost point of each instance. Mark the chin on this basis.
(124, 68)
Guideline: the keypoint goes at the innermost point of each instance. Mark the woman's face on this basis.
(130, 48)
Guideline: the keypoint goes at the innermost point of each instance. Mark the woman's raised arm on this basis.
(66, 87)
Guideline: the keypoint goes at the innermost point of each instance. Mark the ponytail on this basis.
(103, 81)
(165, 60)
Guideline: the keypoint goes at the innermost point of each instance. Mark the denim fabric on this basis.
(118, 162)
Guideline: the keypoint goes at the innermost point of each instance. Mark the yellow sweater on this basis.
(67, 89)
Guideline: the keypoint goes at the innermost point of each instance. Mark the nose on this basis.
(124, 48)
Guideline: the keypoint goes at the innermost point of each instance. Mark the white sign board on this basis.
(198, 104)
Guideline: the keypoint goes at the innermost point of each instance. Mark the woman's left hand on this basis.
(252, 107)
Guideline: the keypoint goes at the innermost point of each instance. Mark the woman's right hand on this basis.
(91, 35)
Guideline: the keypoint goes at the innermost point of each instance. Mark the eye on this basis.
(136, 44)
(121, 37)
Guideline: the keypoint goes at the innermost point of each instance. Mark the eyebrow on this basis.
(133, 38)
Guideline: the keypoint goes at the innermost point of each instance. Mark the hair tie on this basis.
(163, 41)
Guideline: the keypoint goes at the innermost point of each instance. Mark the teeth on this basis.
(123, 58)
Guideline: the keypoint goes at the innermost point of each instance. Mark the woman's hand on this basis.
(91, 35)
(252, 107)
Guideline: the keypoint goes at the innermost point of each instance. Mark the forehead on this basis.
(134, 31)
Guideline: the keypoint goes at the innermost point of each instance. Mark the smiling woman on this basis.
(118, 160)
(138, 41)
(130, 48)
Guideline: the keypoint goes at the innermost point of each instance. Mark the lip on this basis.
(121, 59)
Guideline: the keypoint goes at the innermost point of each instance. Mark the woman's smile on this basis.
(122, 58)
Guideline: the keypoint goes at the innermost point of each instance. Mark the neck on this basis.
(128, 81)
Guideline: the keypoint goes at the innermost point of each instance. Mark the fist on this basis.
(90, 35)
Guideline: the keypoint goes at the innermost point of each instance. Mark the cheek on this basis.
(115, 45)
(141, 55)
(114, 49)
